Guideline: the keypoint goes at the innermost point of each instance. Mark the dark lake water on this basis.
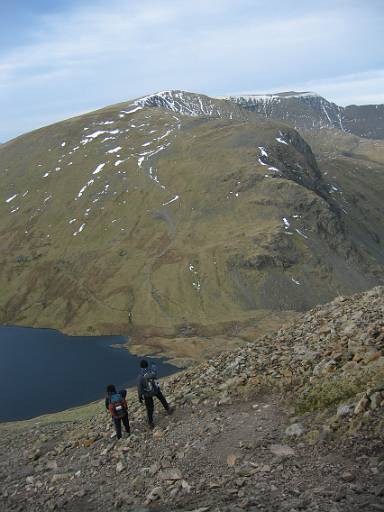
(42, 370)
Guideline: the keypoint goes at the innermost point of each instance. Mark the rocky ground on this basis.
(289, 422)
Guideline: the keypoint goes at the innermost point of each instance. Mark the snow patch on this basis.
(139, 107)
(99, 168)
(263, 151)
(114, 150)
(301, 233)
(172, 200)
(79, 230)
(11, 198)
(82, 190)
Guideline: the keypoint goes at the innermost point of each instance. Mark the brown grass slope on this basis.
(182, 229)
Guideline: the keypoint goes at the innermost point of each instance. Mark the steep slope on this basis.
(308, 111)
(292, 421)
(170, 213)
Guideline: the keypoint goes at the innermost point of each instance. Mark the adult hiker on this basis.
(148, 388)
(116, 404)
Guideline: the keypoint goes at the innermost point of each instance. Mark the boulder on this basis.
(295, 430)
(282, 450)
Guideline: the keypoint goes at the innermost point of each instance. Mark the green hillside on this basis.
(179, 213)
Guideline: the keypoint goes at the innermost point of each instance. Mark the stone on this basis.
(324, 367)
(120, 467)
(52, 464)
(171, 474)
(282, 450)
(153, 469)
(344, 410)
(376, 400)
(58, 477)
(186, 487)
(246, 470)
(295, 430)
(372, 356)
(231, 459)
(362, 405)
(347, 476)
(155, 494)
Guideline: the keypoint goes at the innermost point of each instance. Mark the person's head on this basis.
(143, 363)
(111, 389)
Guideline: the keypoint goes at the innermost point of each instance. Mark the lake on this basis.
(43, 370)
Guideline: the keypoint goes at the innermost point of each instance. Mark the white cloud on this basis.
(357, 88)
(103, 52)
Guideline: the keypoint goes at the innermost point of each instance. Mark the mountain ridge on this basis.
(309, 111)
(177, 210)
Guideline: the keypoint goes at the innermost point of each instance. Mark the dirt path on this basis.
(206, 457)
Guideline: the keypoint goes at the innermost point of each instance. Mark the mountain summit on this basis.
(308, 111)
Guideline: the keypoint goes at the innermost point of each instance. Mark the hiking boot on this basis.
(170, 410)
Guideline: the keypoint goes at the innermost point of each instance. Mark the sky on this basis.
(64, 57)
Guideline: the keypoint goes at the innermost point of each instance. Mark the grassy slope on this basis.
(208, 259)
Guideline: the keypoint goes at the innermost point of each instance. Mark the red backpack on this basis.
(117, 405)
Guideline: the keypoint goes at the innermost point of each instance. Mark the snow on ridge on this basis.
(183, 102)
(95, 134)
(271, 97)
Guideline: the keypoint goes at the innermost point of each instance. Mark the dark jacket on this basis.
(141, 391)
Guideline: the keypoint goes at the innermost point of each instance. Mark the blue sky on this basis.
(64, 57)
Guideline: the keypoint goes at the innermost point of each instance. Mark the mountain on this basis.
(291, 421)
(177, 213)
(308, 111)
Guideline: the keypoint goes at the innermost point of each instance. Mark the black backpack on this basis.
(150, 384)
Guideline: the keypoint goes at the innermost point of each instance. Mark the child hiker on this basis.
(116, 404)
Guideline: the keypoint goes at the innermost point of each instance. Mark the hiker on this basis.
(148, 387)
(116, 404)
